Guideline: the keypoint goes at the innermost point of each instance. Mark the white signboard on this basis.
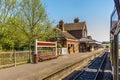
(44, 44)
(64, 51)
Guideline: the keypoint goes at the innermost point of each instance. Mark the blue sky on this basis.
(96, 13)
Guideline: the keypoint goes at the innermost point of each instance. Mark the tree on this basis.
(32, 17)
(6, 10)
(18, 37)
(22, 22)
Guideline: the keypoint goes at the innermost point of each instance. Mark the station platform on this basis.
(42, 69)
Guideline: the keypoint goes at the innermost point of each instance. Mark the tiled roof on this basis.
(76, 33)
(74, 26)
(73, 30)
(68, 35)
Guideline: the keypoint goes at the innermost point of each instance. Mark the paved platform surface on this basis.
(42, 69)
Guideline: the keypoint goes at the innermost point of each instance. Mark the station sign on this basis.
(46, 44)
(39, 44)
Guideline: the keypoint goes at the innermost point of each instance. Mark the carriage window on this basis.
(114, 19)
(115, 16)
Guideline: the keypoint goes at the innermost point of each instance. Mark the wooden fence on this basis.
(13, 58)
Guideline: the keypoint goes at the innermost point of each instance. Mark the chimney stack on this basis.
(76, 20)
(61, 25)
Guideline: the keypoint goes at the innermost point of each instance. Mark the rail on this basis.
(97, 72)
(100, 66)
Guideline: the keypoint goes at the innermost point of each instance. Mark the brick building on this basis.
(72, 33)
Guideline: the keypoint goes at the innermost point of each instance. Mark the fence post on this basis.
(56, 48)
(15, 58)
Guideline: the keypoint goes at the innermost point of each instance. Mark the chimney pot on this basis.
(76, 20)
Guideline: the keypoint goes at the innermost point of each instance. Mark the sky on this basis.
(96, 14)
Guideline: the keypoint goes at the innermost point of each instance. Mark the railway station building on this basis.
(75, 38)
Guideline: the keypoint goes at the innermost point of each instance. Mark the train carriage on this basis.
(115, 40)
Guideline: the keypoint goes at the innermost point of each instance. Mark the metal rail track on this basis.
(96, 64)
(102, 63)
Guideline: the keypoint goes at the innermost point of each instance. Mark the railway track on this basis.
(93, 71)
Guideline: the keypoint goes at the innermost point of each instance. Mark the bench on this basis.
(43, 57)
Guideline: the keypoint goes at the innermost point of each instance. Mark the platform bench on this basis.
(43, 57)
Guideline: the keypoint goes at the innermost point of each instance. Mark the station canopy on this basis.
(86, 40)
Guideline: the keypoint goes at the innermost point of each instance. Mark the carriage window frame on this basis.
(114, 24)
